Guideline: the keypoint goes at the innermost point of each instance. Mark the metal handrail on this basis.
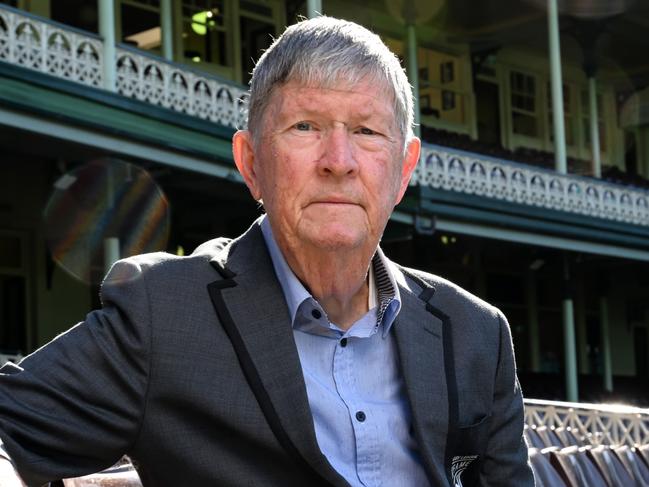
(599, 424)
(474, 174)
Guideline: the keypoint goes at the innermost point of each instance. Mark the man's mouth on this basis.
(335, 200)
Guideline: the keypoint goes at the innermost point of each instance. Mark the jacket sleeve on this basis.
(506, 462)
(75, 405)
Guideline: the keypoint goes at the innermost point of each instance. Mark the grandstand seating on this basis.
(570, 445)
(633, 462)
(588, 466)
(581, 445)
(546, 475)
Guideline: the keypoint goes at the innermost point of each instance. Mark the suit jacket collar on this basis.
(260, 315)
(264, 326)
(419, 336)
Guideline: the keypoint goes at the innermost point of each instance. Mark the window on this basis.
(567, 115)
(208, 37)
(205, 37)
(585, 121)
(257, 33)
(440, 86)
(81, 14)
(523, 104)
(140, 21)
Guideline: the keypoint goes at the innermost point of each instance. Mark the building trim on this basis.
(61, 86)
(523, 237)
(502, 221)
(117, 144)
(504, 212)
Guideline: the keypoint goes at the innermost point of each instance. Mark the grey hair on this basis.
(324, 52)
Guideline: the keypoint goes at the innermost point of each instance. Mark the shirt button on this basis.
(360, 416)
(316, 314)
(343, 342)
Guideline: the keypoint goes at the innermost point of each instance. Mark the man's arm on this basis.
(8, 475)
(506, 460)
(75, 406)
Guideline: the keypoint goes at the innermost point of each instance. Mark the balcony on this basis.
(66, 53)
(73, 55)
(472, 174)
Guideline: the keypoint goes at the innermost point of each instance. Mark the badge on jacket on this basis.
(458, 465)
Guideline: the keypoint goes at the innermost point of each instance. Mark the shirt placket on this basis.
(360, 416)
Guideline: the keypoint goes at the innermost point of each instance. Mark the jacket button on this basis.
(360, 416)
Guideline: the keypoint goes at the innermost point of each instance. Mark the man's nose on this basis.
(338, 157)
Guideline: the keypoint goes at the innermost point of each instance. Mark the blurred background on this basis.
(532, 190)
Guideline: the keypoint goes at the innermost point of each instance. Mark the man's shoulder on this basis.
(211, 248)
(443, 292)
(157, 265)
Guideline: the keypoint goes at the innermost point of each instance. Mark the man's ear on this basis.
(244, 157)
(409, 163)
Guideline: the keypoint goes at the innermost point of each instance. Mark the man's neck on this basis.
(337, 279)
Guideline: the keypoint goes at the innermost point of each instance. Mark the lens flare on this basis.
(103, 199)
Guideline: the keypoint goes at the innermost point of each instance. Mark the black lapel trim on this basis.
(251, 374)
(449, 367)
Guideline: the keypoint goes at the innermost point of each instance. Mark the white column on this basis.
(107, 32)
(166, 26)
(570, 350)
(177, 39)
(582, 331)
(606, 344)
(235, 25)
(594, 127)
(531, 303)
(111, 244)
(313, 8)
(641, 143)
(413, 72)
(556, 82)
(111, 252)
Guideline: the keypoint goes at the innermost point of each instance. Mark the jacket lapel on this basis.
(419, 338)
(253, 299)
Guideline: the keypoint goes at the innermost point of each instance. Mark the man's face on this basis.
(328, 164)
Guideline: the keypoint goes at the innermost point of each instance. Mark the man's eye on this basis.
(366, 131)
(303, 126)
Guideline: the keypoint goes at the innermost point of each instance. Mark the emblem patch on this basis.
(458, 466)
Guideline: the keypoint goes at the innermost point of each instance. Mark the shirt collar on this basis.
(383, 294)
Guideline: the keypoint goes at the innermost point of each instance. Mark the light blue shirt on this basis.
(353, 381)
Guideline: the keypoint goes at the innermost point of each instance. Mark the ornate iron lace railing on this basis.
(75, 55)
(449, 169)
(61, 51)
(601, 424)
(173, 86)
(50, 48)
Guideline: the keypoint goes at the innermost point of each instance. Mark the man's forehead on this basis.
(366, 96)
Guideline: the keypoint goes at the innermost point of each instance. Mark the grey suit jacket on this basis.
(191, 368)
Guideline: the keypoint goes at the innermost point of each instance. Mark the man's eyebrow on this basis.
(364, 114)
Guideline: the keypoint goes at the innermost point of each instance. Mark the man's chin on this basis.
(338, 242)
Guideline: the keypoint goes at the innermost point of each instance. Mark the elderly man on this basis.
(296, 354)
